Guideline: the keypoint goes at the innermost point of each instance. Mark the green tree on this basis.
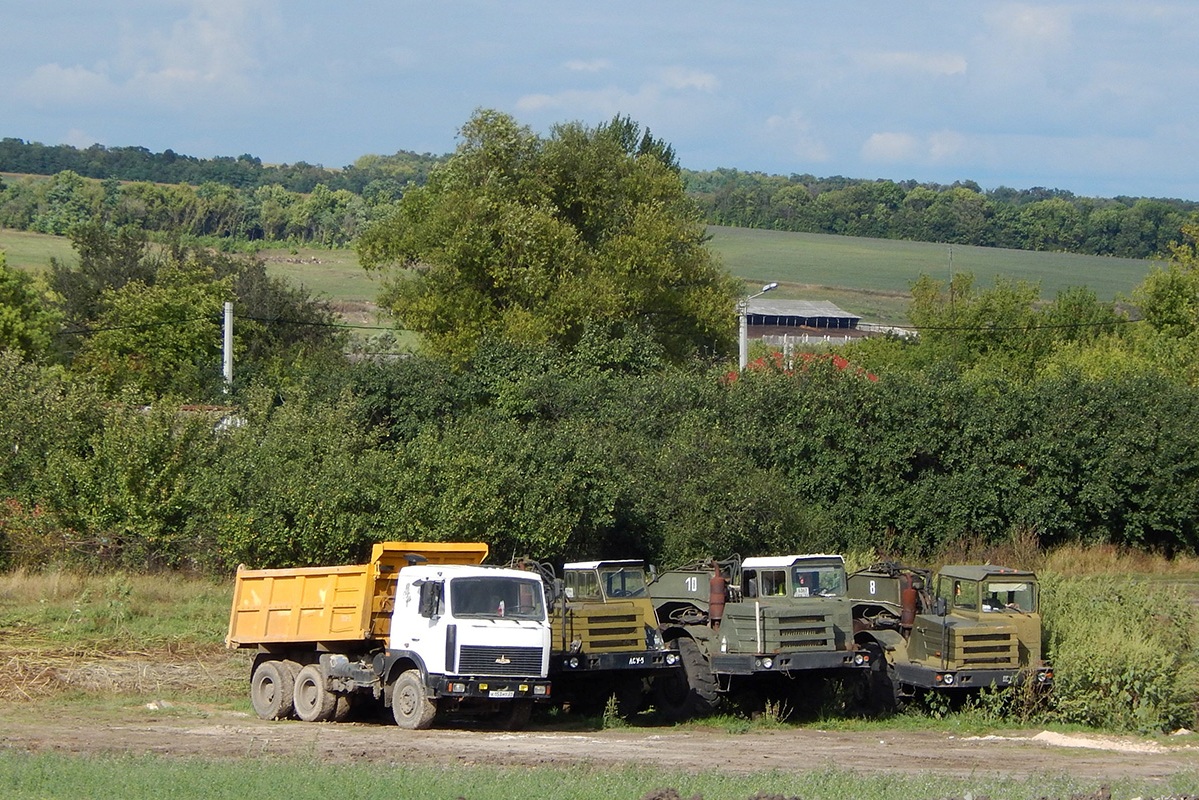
(538, 239)
(163, 338)
(27, 320)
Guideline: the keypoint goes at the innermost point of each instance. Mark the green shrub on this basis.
(1125, 653)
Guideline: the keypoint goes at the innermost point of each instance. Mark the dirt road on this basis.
(166, 720)
(177, 730)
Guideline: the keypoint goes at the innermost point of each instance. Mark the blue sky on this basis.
(1094, 96)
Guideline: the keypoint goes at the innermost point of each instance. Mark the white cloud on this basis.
(1030, 27)
(938, 148)
(595, 65)
(891, 148)
(668, 85)
(208, 52)
(680, 78)
(77, 138)
(54, 84)
(920, 63)
(794, 131)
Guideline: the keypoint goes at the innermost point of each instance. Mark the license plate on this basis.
(502, 694)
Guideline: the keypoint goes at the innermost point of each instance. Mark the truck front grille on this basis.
(989, 649)
(484, 660)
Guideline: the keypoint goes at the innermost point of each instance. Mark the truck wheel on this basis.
(883, 688)
(691, 690)
(271, 688)
(314, 701)
(516, 715)
(344, 708)
(410, 705)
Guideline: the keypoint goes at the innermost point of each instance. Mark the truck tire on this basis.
(410, 705)
(271, 688)
(314, 701)
(692, 690)
(882, 688)
(516, 715)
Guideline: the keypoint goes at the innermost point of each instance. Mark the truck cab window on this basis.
(582, 584)
(623, 582)
(499, 597)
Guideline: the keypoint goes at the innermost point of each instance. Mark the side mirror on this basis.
(940, 607)
(430, 598)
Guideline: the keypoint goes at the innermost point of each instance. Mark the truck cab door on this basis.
(419, 623)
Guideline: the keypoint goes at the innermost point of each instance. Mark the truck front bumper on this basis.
(506, 688)
(951, 679)
(751, 664)
(636, 661)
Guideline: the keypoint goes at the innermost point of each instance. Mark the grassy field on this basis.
(869, 277)
(55, 775)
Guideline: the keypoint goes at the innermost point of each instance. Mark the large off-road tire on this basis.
(692, 690)
(515, 715)
(314, 701)
(271, 688)
(882, 687)
(411, 706)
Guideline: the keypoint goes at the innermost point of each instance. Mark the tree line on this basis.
(575, 395)
(961, 213)
(243, 172)
(242, 200)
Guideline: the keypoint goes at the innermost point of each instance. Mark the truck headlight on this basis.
(947, 680)
(571, 663)
(859, 659)
(768, 663)
(672, 659)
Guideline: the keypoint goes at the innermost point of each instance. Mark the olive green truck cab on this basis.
(605, 640)
(757, 624)
(962, 629)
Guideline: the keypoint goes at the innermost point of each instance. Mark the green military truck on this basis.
(605, 637)
(964, 628)
(760, 625)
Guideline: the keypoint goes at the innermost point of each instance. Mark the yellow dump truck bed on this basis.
(331, 604)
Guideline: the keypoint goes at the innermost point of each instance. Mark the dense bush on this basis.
(1125, 653)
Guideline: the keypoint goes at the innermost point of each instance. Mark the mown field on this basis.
(869, 277)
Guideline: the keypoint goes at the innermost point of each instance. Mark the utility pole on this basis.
(227, 370)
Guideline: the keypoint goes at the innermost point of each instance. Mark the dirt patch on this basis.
(161, 715)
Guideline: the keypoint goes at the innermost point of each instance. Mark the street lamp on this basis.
(743, 314)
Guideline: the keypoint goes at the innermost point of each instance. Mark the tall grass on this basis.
(56, 609)
(1125, 652)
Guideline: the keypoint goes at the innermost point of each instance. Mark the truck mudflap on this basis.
(490, 688)
(950, 679)
(633, 661)
(749, 664)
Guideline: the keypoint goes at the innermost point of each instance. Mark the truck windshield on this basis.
(623, 581)
(1009, 595)
(496, 597)
(813, 581)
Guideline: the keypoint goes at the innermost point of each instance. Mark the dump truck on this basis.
(964, 628)
(766, 625)
(606, 641)
(423, 629)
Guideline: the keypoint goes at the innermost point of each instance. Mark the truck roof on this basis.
(760, 562)
(627, 562)
(977, 572)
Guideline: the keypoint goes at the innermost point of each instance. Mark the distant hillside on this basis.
(870, 277)
(1036, 219)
